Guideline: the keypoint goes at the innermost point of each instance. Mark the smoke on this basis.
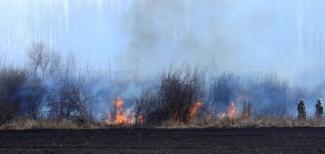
(244, 37)
(147, 36)
(249, 38)
(171, 32)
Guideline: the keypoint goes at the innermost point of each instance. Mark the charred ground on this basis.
(210, 140)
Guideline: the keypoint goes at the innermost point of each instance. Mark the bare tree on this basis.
(43, 64)
(39, 58)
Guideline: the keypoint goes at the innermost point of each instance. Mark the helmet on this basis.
(319, 101)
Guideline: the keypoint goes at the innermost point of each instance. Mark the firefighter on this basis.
(301, 110)
(319, 109)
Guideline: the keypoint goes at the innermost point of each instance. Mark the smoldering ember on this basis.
(162, 76)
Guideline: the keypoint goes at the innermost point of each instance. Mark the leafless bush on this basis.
(270, 96)
(33, 94)
(11, 83)
(224, 88)
(57, 87)
(177, 91)
(263, 96)
(73, 97)
(41, 66)
(146, 106)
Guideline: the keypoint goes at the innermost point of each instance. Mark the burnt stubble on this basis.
(210, 140)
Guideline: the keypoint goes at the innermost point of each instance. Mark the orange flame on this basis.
(194, 109)
(231, 112)
(121, 117)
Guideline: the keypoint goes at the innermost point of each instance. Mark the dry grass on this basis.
(211, 122)
(246, 123)
(21, 123)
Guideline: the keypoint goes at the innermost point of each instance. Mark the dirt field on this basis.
(262, 140)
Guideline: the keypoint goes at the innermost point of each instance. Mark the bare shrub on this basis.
(223, 88)
(42, 68)
(147, 106)
(57, 88)
(73, 94)
(72, 98)
(33, 93)
(262, 96)
(11, 83)
(270, 96)
(177, 92)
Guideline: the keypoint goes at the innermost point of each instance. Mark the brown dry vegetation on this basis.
(22, 123)
(266, 122)
(247, 123)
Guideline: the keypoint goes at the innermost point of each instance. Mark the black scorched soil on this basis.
(244, 140)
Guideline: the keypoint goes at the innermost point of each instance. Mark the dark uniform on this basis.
(319, 109)
(301, 110)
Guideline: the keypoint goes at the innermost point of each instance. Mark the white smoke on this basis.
(255, 36)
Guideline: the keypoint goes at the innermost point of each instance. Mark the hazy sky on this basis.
(245, 36)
